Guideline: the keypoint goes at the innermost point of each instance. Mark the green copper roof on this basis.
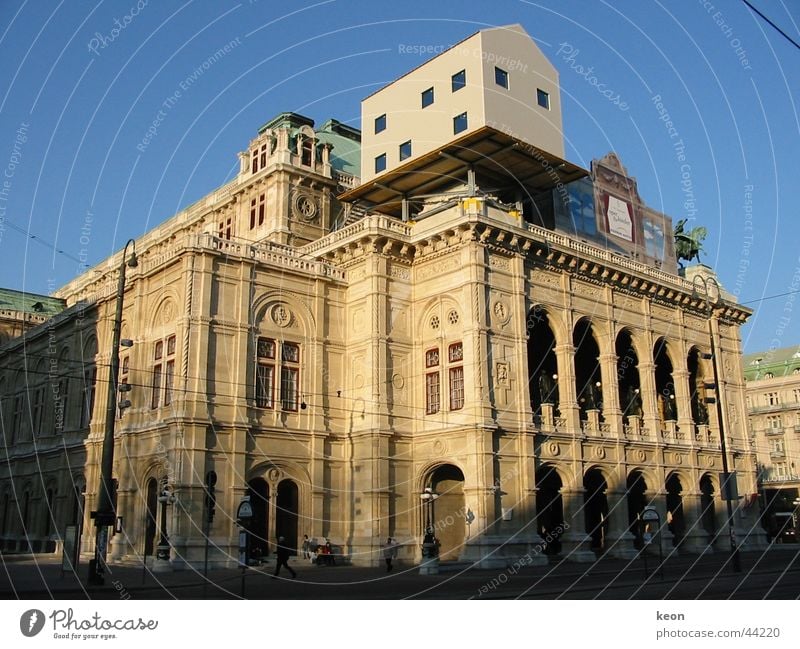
(11, 300)
(778, 362)
(346, 142)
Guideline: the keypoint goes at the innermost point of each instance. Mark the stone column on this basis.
(683, 403)
(647, 379)
(576, 544)
(619, 540)
(567, 397)
(612, 411)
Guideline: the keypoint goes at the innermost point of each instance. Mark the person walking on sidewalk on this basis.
(389, 553)
(282, 558)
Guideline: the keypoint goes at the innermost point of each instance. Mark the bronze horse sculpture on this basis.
(688, 245)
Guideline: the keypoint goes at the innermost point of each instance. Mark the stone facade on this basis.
(333, 362)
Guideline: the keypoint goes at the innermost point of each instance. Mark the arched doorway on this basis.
(259, 524)
(628, 375)
(549, 508)
(150, 520)
(696, 387)
(707, 510)
(449, 511)
(286, 508)
(595, 506)
(665, 384)
(675, 520)
(637, 501)
(542, 365)
(588, 387)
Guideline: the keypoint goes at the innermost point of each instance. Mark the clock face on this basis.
(305, 207)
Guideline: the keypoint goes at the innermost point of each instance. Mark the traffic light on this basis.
(211, 498)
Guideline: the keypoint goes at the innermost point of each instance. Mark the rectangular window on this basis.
(455, 353)
(169, 375)
(796, 394)
(501, 78)
(262, 200)
(380, 123)
(155, 401)
(252, 213)
(427, 97)
(405, 150)
(254, 164)
(459, 123)
(16, 418)
(87, 403)
(170, 345)
(774, 422)
(265, 385)
(159, 350)
(456, 388)
(36, 412)
(289, 387)
(265, 348)
(543, 98)
(291, 353)
(263, 155)
(380, 163)
(432, 393)
(458, 80)
(432, 358)
(772, 399)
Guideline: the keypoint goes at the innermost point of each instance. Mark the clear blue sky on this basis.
(78, 95)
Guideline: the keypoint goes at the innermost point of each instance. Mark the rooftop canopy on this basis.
(502, 162)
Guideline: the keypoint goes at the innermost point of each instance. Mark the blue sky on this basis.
(107, 128)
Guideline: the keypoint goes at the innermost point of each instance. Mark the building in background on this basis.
(481, 320)
(773, 405)
(20, 311)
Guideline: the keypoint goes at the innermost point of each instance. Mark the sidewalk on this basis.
(39, 577)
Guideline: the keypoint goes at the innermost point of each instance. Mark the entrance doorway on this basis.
(259, 524)
(549, 508)
(286, 509)
(596, 507)
(675, 519)
(449, 512)
(150, 526)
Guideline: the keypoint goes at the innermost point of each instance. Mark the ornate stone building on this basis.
(773, 405)
(484, 319)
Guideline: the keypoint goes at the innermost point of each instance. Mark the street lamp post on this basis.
(429, 546)
(104, 515)
(165, 498)
(705, 281)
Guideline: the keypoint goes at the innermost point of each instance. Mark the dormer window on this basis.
(308, 153)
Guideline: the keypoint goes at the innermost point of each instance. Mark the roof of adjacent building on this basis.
(346, 143)
(345, 140)
(777, 362)
(11, 300)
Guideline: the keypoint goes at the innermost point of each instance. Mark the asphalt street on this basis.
(774, 574)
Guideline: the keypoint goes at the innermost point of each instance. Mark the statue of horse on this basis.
(688, 245)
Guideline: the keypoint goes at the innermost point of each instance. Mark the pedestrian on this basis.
(389, 553)
(282, 558)
(306, 547)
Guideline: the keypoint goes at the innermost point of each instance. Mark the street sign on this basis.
(650, 514)
(245, 511)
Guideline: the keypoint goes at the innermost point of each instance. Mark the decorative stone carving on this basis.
(274, 474)
(438, 267)
(501, 312)
(439, 448)
(553, 449)
(600, 453)
(495, 261)
(305, 206)
(398, 381)
(281, 315)
(501, 372)
(399, 272)
(167, 314)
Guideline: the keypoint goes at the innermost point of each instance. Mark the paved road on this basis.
(774, 575)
